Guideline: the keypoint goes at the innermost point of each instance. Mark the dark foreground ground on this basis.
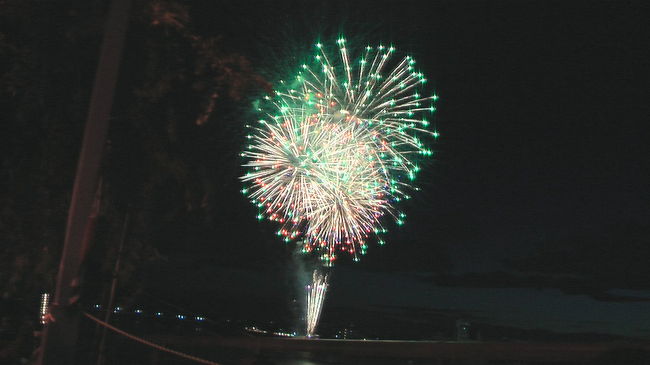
(294, 351)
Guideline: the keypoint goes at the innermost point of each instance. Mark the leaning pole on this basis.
(58, 343)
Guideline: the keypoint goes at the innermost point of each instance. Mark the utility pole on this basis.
(58, 344)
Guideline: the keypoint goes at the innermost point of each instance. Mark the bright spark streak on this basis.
(315, 298)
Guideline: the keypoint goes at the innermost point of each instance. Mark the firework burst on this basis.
(338, 147)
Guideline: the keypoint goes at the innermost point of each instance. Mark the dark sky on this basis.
(541, 114)
(534, 208)
(542, 117)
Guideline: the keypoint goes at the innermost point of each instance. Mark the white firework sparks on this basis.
(315, 298)
(338, 149)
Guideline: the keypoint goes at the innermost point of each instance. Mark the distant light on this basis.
(138, 311)
(44, 308)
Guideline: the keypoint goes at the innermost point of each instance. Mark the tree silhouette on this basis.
(172, 122)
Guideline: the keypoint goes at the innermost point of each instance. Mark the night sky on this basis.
(541, 114)
(542, 149)
(534, 205)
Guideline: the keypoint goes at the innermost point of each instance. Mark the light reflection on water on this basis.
(311, 359)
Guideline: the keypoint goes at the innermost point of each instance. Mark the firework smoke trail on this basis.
(315, 298)
(338, 147)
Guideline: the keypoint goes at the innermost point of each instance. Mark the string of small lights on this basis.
(44, 307)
